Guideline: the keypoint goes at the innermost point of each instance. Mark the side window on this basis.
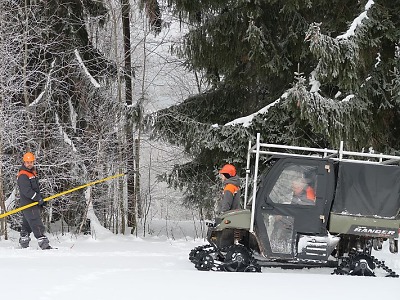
(295, 185)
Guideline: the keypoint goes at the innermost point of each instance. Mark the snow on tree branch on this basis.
(92, 80)
(246, 121)
(356, 22)
(73, 115)
(348, 98)
(46, 87)
(11, 200)
(64, 134)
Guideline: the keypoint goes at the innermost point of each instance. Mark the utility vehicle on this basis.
(354, 208)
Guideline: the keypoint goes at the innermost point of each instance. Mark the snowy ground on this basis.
(126, 267)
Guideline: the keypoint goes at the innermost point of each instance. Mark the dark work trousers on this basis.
(32, 222)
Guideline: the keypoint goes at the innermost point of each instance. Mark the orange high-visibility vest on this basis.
(232, 188)
(310, 193)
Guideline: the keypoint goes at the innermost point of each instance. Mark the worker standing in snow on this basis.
(29, 191)
(231, 193)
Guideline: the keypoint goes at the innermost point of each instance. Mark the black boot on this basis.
(44, 243)
(24, 241)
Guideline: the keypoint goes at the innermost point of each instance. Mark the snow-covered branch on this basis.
(356, 22)
(64, 134)
(46, 87)
(246, 121)
(80, 61)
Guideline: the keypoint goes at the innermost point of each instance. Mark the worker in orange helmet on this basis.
(29, 191)
(231, 193)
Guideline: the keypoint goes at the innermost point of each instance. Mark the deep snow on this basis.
(126, 267)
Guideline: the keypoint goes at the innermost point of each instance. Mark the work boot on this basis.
(24, 241)
(44, 243)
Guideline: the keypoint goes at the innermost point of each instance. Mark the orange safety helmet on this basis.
(28, 156)
(228, 169)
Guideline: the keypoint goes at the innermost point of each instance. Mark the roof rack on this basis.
(340, 154)
(281, 150)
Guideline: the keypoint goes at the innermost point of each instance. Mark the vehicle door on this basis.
(282, 212)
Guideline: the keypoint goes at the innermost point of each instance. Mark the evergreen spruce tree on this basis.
(251, 51)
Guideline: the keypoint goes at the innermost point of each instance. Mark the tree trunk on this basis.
(26, 96)
(137, 176)
(3, 221)
(129, 128)
(3, 225)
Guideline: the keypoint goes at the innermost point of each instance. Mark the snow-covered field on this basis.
(127, 267)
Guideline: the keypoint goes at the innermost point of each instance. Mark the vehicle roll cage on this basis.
(281, 150)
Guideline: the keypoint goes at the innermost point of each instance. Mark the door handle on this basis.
(267, 206)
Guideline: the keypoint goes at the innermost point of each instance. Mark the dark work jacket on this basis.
(28, 185)
(231, 197)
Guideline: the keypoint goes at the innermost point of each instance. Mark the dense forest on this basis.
(84, 85)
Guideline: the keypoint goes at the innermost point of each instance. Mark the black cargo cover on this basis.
(367, 190)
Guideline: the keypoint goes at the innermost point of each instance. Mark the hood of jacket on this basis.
(235, 180)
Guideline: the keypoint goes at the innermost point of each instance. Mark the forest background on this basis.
(167, 91)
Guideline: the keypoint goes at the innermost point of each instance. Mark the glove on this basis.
(41, 202)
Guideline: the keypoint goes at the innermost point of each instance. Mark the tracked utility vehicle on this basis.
(349, 205)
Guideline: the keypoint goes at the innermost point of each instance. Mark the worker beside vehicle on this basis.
(231, 191)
